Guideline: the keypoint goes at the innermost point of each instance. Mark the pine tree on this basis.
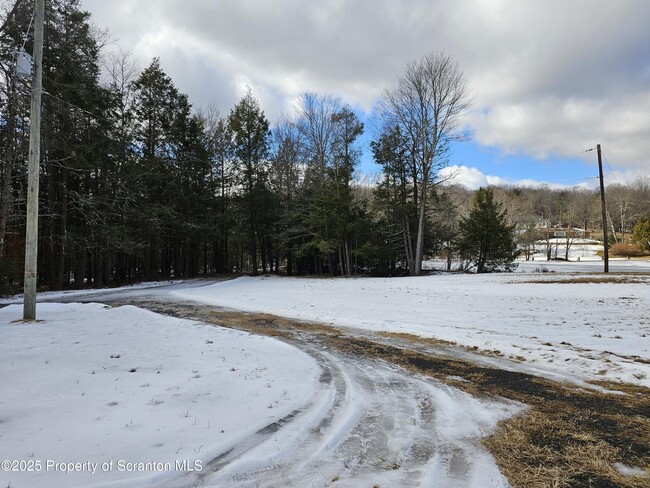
(641, 233)
(250, 130)
(285, 181)
(486, 239)
(72, 163)
(396, 197)
(220, 182)
(161, 115)
(14, 137)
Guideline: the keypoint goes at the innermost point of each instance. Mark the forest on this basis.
(137, 184)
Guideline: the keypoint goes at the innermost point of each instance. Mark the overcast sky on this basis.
(548, 78)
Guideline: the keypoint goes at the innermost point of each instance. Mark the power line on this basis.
(565, 156)
(554, 158)
(584, 180)
(74, 106)
(611, 170)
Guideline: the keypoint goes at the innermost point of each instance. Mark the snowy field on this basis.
(583, 258)
(586, 330)
(138, 399)
(111, 388)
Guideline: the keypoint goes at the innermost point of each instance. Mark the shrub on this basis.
(626, 250)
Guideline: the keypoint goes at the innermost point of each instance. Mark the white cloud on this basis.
(474, 178)
(547, 78)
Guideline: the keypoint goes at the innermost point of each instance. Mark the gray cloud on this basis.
(547, 77)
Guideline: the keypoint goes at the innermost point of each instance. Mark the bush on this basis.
(626, 250)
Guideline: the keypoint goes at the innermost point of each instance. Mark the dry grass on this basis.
(570, 448)
(414, 339)
(568, 437)
(590, 279)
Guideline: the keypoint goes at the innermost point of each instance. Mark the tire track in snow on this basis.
(369, 423)
(384, 427)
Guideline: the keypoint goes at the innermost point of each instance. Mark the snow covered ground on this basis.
(137, 399)
(583, 258)
(111, 388)
(579, 249)
(588, 330)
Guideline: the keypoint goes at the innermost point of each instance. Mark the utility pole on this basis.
(604, 208)
(31, 236)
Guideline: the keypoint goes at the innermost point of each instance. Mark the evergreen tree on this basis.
(347, 129)
(641, 233)
(73, 140)
(220, 143)
(285, 182)
(194, 199)
(14, 137)
(486, 239)
(328, 131)
(396, 197)
(250, 130)
(162, 116)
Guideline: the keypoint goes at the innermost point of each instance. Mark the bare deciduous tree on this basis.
(314, 120)
(427, 106)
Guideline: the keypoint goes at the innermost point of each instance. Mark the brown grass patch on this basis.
(588, 279)
(414, 339)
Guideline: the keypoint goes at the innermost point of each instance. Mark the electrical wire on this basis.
(610, 168)
(29, 29)
(74, 106)
(564, 156)
(554, 158)
(585, 180)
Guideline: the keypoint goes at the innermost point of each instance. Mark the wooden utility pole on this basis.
(604, 209)
(31, 236)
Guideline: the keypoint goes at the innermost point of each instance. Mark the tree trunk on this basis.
(80, 268)
(289, 263)
(347, 258)
(263, 254)
(408, 247)
(420, 241)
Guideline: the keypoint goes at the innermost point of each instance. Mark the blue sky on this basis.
(489, 165)
(568, 170)
(546, 78)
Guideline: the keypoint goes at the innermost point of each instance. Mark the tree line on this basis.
(137, 185)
